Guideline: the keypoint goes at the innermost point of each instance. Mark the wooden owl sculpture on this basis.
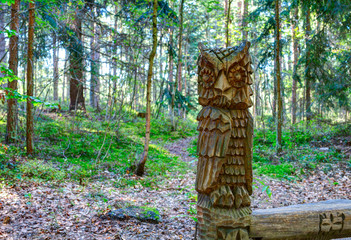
(224, 170)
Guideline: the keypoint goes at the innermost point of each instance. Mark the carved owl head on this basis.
(225, 77)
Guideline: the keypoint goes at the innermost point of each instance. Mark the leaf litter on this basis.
(50, 210)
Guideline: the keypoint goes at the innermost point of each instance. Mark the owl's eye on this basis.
(237, 76)
(207, 76)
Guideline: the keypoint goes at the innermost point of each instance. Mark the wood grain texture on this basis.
(323, 220)
(224, 170)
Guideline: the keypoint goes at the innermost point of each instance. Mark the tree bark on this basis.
(170, 78)
(186, 46)
(307, 70)
(76, 65)
(279, 121)
(295, 52)
(162, 79)
(114, 91)
(66, 77)
(244, 20)
(2, 35)
(239, 14)
(227, 4)
(95, 67)
(30, 124)
(141, 165)
(55, 61)
(12, 114)
(322, 220)
(179, 65)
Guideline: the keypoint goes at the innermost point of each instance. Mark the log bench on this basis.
(322, 220)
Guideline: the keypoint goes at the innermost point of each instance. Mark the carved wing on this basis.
(213, 141)
(248, 151)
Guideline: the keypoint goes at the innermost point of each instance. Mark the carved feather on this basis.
(212, 147)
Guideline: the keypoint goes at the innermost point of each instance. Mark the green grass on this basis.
(284, 170)
(299, 157)
(78, 148)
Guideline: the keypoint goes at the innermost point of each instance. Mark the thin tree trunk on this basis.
(179, 65)
(227, 4)
(2, 35)
(114, 92)
(244, 21)
(308, 77)
(30, 123)
(162, 79)
(76, 66)
(55, 60)
(185, 73)
(12, 114)
(294, 83)
(170, 78)
(66, 76)
(92, 66)
(141, 165)
(279, 97)
(95, 68)
(239, 14)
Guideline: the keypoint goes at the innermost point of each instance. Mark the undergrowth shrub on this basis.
(284, 170)
(39, 169)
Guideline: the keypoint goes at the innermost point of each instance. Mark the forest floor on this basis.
(72, 210)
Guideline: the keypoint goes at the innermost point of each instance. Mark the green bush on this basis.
(284, 170)
(39, 169)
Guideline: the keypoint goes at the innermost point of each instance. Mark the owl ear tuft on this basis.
(201, 46)
(247, 46)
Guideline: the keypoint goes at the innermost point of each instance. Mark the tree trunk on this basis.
(2, 35)
(30, 124)
(12, 114)
(307, 70)
(294, 27)
(76, 65)
(92, 66)
(55, 61)
(185, 73)
(170, 78)
(179, 65)
(162, 79)
(95, 67)
(114, 91)
(227, 21)
(244, 21)
(279, 121)
(239, 15)
(141, 165)
(66, 77)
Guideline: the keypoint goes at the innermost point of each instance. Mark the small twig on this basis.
(195, 235)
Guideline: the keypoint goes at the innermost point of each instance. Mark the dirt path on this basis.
(179, 148)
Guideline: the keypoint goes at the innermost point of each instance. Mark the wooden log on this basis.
(323, 220)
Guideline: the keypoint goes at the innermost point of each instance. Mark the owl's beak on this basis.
(222, 83)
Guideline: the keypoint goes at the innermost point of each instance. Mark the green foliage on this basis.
(192, 149)
(284, 170)
(8, 2)
(265, 187)
(78, 148)
(147, 211)
(161, 129)
(38, 169)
